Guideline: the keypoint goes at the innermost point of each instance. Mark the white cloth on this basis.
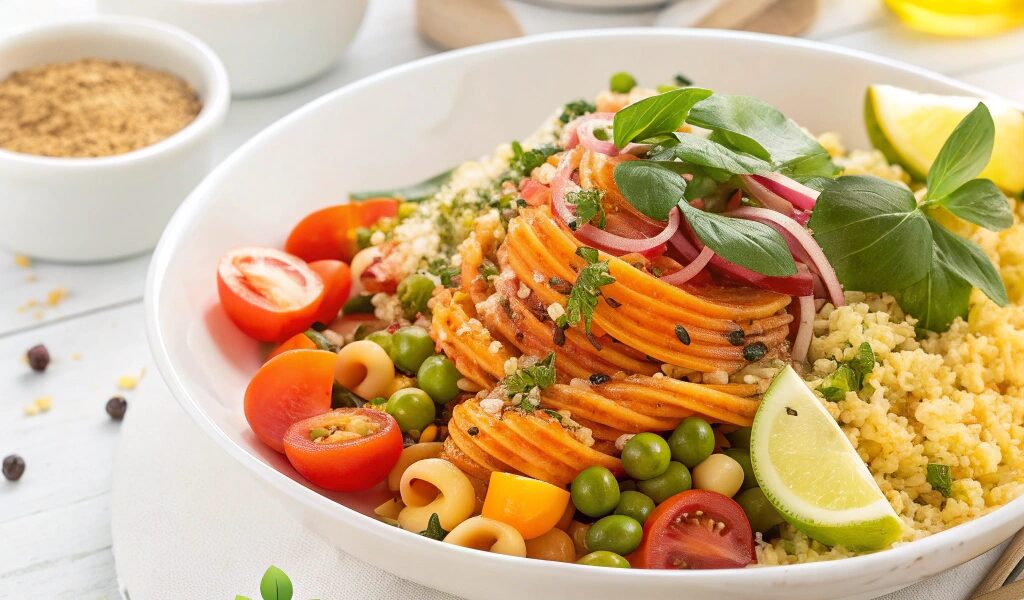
(189, 522)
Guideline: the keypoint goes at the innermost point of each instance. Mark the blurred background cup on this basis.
(267, 45)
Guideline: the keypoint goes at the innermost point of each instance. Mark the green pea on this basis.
(381, 338)
(743, 457)
(603, 558)
(645, 455)
(739, 438)
(760, 512)
(413, 292)
(674, 480)
(635, 505)
(615, 533)
(438, 377)
(412, 408)
(622, 83)
(595, 492)
(692, 441)
(410, 346)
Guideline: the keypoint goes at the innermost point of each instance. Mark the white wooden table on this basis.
(54, 523)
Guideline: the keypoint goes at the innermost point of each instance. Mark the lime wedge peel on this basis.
(812, 474)
(910, 128)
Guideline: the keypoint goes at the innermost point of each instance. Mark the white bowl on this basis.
(88, 209)
(267, 45)
(416, 120)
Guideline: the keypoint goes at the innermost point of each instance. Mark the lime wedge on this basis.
(811, 473)
(910, 128)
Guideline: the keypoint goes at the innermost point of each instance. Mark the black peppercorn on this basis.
(736, 337)
(755, 352)
(116, 407)
(599, 378)
(14, 467)
(38, 357)
(683, 335)
(473, 430)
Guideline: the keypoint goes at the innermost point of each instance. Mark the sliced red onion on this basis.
(765, 196)
(793, 232)
(562, 184)
(684, 246)
(581, 131)
(691, 270)
(795, 192)
(804, 333)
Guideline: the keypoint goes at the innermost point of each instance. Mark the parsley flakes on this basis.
(582, 300)
(588, 208)
(540, 375)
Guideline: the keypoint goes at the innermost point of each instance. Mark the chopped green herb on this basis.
(488, 269)
(358, 304)
(682, 80)
(849, 376)
(342, 397)
(574, 109)
(939, 477)
(434, 530)
(443, 270)
(583, 298)
(540, 374)
(588, 207)
(523, 162)
(553, 414)
(321, 341)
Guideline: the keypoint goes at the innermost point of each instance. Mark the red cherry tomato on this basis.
(269, 294)
(337, 279)
(330, 233)
(288, 388)
(345, 450)
(684, 533)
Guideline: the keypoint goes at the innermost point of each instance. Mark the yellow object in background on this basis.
(960, 17)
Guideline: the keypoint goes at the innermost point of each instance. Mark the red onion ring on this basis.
(691, 270)
(765, 196)
(817, 261)
(793, 191)
(804, 333)
(562, 184)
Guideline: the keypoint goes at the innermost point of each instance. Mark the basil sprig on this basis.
(701, 151)
(656, 115)
(879, 239)
(746, 243)
(653, 188)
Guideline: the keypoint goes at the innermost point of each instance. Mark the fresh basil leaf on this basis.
(980, 202)
(659, 114)
(275, 585)
(434, 530)
(937, 299)
(967, 261)
(414, 193)
(817, 183)
(652, 188)
(864, 362)
(755, 127)
(872, 233)
(698, 150)
(939, 477)
(966, 152)
(746, 243)
(701, 186)
(589, 206)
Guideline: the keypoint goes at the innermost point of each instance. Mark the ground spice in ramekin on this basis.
(92, 107)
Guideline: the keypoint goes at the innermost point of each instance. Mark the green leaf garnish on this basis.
(966, 152)
(443, 270)
(582, 301)
(574, 109)
(652, 188)
(434, 530)
(588, 207)
(275, 585)
(358, 304)
(413, 193)
(849, 376)
(939, 477)
(979, 201)
(523, 162)
(698, 150)
(540, 374)
(746, 243)
(656, 115)
(753, 126)
(966, 260)
(872, 233)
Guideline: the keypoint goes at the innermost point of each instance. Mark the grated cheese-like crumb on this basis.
(524, 291)
(555, 311)
(620, 442)
(511, 365)
(492, 405)
(56, 295)
(495, 347)
(22, 261)
(467, 385)
(716, 378)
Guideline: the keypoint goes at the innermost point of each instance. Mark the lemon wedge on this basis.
(910, 128)
(810, 472)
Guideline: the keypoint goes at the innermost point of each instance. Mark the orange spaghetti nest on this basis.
(609, 383)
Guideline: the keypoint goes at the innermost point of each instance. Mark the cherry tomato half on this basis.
(345, 450)
(696, 529)
(292, 386)
(270, 295)
(337, 279)
(330, 233)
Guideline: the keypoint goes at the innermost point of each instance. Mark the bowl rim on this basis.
(1007, 517)
(158, 34)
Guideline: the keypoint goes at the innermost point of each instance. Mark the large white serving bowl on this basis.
(416, 120)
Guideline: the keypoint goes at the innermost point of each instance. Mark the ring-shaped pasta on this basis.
(488, 535)
(434, 485)
(409, 455)
(365, 368)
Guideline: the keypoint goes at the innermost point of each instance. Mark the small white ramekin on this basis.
(92, 209)
(267, 45)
